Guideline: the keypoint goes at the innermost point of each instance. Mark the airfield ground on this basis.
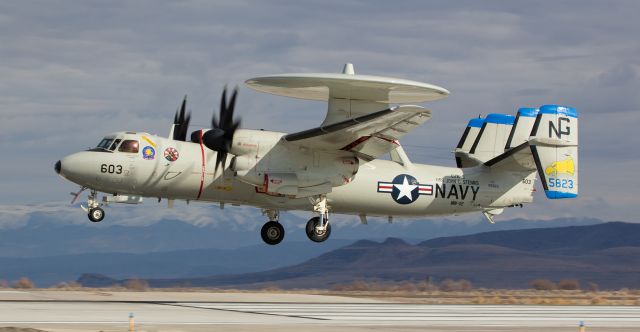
(192, 310)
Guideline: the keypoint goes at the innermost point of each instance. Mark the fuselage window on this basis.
(115, 144)
(105, 143)
(130, 146)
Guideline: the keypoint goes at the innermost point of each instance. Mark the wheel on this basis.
(96, 214)
(272, 233)
(315, 235)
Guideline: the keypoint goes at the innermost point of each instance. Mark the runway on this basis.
(291, 312)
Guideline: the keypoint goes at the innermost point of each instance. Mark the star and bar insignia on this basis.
(405, 189)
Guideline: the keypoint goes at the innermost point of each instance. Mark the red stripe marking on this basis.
(392, 141)
(265, 186)
(385, 187)
(355, 143)
(203, 166)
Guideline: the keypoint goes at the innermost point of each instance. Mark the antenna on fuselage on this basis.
(348, 69)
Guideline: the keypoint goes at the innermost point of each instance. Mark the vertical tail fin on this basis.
(492, 137)
(554, 145)
(466, 142)
(522, 126)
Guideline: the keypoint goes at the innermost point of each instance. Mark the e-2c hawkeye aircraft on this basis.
(336, 167)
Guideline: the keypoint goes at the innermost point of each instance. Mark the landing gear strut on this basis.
(318, 228)
(272, 232)
(93, 209)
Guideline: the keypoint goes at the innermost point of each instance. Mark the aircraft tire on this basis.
(313, 234)
(96, 214)
(272, 233)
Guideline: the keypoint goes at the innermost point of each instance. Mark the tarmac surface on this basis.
(185, 311)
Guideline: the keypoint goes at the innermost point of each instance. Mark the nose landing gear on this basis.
(93, 209)
(96, 214)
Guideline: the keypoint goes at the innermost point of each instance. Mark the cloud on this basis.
(199, 214)
(231, 218)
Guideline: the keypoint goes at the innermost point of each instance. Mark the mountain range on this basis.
(50, 270)
(607, 254)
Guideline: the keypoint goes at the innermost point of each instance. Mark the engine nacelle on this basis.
(337, 170)
(332, 171)
(274, 166)
(242, 165)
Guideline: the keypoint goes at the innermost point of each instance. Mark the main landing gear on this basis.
(318, 228)
(316, 231)
(272, 231)
(93, 209)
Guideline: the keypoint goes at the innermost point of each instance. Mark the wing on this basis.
(368, 136)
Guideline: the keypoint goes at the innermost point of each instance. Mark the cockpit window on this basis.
(115, 144)
(130, 146)
(105, 143)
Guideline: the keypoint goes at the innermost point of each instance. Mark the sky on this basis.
(73, 71)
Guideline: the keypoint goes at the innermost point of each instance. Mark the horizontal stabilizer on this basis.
(517, 159)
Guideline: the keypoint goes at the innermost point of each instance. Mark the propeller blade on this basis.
(181, 122)
(226, 121)
(221, 159)
(183, 108)
(215, 122)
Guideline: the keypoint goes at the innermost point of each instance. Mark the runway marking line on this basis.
(240, 311)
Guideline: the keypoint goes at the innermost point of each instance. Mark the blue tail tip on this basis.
(557, 109)
(477, 122)
(500, 118)
(559, 194)
(528, 112)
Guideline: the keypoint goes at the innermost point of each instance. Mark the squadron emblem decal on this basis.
(148, 153)
(171, 154)
(405, 189)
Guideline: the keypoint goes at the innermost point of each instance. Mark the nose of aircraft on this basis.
(74, 166)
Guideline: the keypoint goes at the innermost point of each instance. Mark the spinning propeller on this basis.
(220, 137)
